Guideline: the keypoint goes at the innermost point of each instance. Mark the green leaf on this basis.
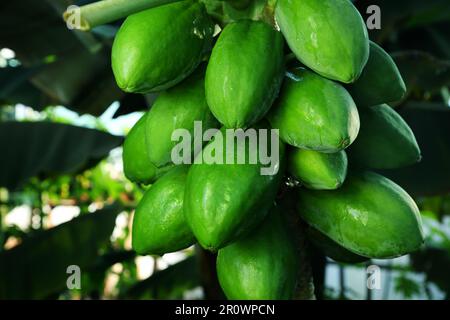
(15, 87)
(29, 149)
(69, 68)
(170, 283)
(431, 175)
(37, 268)
(35, 30)
(434, 262)
(407, 286)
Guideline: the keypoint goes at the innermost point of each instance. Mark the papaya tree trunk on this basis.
(208, 274)
(305, 284)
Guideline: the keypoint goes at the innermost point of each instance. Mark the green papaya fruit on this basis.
(177, 108)
(385, 140)
(380, 81)
(136, 163)
(262, 266)
(328, 36)
(159, 225)
(159, 47)
(317, 170)
(244, 73)
(331, 249)
(223, 201)
(314, 113)
(369, 215)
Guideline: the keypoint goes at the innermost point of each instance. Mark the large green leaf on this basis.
(15, 87)
(432, 174)
(36, 31)
(435, 263)
(64, 67)
(37, 268)
(81, 80)
(29, 149)
(170, 283)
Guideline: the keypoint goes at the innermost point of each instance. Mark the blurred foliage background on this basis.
(64, 200)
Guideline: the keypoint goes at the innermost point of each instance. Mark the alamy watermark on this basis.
(228, 146)
(374, 20)
(73, 17)
(73, 14)
(373, 277)
(74, 279)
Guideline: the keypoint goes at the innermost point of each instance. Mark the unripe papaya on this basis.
(385, 140)
(331, 249)
(244, 73)
(177, 108)
(262, 266)
(380, 81)
(328, 36)
(159, 225)
(136, 163)
(314, 113)
(224, 201)
(317, 170)
(159, 47)
(369, 215)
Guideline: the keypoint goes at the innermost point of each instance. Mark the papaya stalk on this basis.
(268, 14)
(208, 274)
(305, 285)
(89, 16)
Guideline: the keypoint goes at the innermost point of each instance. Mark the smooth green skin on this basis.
(332, 249)
(369, 215)
(159, 47)
(159, 225)
(385, 140)
(317, 170)
(136, 163)
(314, 113)
(225, 201)
(244, 73)
(176, 108)
(328, 36)
(380, 81)
(262, 266)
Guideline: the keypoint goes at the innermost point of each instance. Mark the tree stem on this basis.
(305, 285)
(208, 274)
(105, 11)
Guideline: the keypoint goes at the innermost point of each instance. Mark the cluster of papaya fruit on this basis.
(334, 125)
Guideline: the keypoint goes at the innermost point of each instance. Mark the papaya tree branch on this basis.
(105, 11)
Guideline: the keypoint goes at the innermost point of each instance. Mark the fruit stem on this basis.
(268, 14)
(86, 17)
